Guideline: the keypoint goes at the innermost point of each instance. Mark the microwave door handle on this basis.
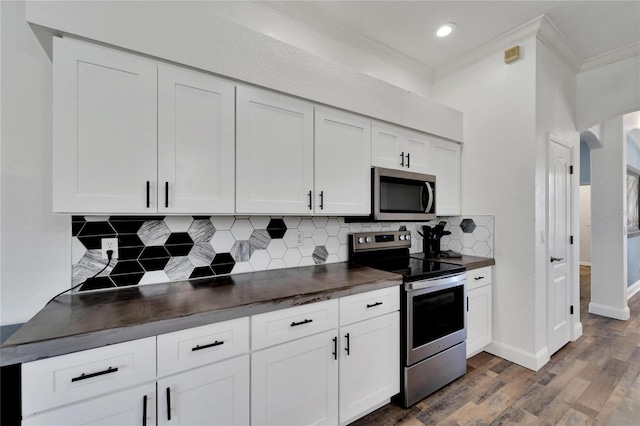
(429, 201)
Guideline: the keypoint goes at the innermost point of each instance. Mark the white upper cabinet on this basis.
(274, 153)
(342, 163)
(399, 148)
(104, 130)
(135, 136)
(445, 165)
(196, 139)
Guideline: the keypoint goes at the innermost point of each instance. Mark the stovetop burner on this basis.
(389, 251)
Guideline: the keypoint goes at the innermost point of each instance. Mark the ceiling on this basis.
(594, 28)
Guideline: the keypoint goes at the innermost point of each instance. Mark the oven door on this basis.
(436, 316)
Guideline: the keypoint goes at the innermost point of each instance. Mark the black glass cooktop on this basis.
(412, 269)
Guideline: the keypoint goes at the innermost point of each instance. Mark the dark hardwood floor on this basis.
(583, 384)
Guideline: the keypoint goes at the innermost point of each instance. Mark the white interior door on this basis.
(559, 281)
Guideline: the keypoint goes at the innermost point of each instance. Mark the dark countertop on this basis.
(470, 262)
(88, 320)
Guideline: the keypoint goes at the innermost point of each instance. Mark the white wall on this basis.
(555, 115)
(399, 71)
(498, 177)
(192, 33)
(36, 245)
(585, 224)
(608, 92)
(608, 223)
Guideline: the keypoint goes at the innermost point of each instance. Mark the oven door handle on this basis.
(436, 283)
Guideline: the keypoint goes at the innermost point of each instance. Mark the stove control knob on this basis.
(368, 239)
(407, 237)
(401, 237)
(360, 240)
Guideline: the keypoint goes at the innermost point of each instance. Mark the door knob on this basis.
(556, 259)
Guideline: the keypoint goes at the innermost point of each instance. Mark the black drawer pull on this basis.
(478, 278)
(210, 345)
(374, 304)
(144, 410)
(402, 158)
(408, 160)
(99, 373)
(310, 201)
(307, 321)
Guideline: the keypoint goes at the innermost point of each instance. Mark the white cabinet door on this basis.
(196, 142)
(217, 394)
(417, 152)
(295, 383)
(369, 364)
(104, 131)
(274, 153)
(445, 165)
(398, 148)
(342, 163)
(132, 407)
(479, 321)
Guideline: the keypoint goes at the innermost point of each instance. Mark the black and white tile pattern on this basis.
(161, 249)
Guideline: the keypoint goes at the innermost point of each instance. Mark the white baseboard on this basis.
(585, 263)
(633, 289)
(526, 359)
(609, 311)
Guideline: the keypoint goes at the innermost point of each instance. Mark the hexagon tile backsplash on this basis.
(158, 249)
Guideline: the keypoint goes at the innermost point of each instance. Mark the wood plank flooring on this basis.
(583, 384)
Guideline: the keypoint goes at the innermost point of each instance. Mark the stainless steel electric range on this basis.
(433, 311)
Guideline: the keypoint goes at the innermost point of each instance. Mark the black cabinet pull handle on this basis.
(321, 200)
(478, 278)
(144, 410)
(402, 159)
(348, 347)
(306, 321)
(210, 345)
(148, 194)
(374, 304)
(166, 194)
(408, 159)
(467, 304)
(99, 373)
(168, 403)
(310, 201)
(335, 348)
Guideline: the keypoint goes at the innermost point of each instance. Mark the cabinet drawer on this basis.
(195, 347)
(282, 326)
(52, 382)
(367, 305)
(478, 277)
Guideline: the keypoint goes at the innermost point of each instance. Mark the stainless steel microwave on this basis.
(398, 195)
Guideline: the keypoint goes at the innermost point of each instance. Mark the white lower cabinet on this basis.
(217, 394)
(324, 363)
(369, 364)
(295, 383)
(479, 315)
(132, 407)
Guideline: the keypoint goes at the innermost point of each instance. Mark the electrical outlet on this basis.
(109, 244)
(300, 238)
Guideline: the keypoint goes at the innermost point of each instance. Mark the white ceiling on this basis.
(404, 28)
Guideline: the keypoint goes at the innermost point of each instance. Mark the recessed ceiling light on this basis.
(444, 30)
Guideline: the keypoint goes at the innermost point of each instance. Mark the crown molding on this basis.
(541, 27)
(609, 58)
